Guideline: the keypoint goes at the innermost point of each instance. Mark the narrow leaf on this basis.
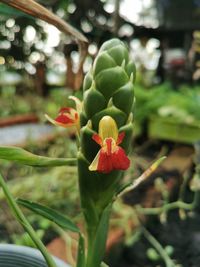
(50, 214)
(10, 11)
(81, 252)
(142, 177)
(22, 156)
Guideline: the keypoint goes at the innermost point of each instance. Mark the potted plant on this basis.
(103, 124)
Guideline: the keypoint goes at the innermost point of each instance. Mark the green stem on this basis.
(158, 247)
(97, 236)
(165, 208)
(91, 239)
(183, 186)
(196, 200)
(25, 224)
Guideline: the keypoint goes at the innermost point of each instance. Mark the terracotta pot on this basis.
(17, 119)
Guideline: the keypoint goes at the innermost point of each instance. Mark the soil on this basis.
(183, 236)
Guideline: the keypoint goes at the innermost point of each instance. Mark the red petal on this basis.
(64, 119)
(120, 138)
(65, 110)
(115, 161)
(119, 160)
(109, 145)
(105, 162)
(97, 139)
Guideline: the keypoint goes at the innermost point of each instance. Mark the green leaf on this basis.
(143, 177)
(12, 12)
(81, 252)
(22, 156)
(50, 214)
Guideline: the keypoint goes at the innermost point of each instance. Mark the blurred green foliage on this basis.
(183, 104)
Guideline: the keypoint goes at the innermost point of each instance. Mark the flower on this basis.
(67, 116)
(111, 156)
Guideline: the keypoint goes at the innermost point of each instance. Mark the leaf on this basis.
(12, 12)
(22, 156)
(50, 214)
(143, 177)
(81, 252)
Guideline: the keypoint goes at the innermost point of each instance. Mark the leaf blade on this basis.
(22, 156)
(50, 214)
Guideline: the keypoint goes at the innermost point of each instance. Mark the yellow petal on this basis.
(77, 102)
(55, 122)
(108, 128)
(94, 164)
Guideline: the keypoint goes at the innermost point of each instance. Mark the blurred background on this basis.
(38, 69)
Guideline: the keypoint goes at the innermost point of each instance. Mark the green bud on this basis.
(110, 80)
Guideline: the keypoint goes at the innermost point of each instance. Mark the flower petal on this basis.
(77, 102)
(94, 164)
(65, 110)
(119, 160)
(60, 122)
(108, 128)
(97, 139)
(120, 138)
(65, 119)
(109, 146)
(105, 162)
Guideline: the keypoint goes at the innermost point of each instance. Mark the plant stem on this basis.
(186, 177)
(196, 200)
(25, 224)
(158, 247)
(165, 208)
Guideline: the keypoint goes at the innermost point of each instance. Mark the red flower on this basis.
(68, 117)
(111, 156)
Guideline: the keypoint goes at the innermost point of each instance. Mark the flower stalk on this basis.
(25, 224)
(106, 131)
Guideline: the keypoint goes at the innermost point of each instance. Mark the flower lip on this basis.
(110, 156)
(67, 116)
(64, 119)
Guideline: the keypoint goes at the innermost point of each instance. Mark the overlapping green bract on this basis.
(108, 90)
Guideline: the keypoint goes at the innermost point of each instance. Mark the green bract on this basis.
(109, 84)
(108, 90)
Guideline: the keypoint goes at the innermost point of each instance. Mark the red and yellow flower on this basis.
(67, 116)
(110, 156)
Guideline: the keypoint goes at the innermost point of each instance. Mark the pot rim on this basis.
(28, 252)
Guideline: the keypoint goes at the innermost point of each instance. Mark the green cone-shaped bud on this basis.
(108, 88)
(110, 80)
